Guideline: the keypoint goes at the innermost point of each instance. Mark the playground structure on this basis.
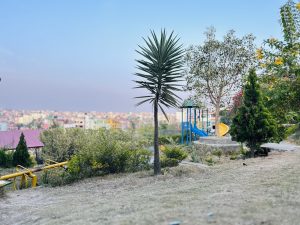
(25, 173)
(223, 129)
(194, 114)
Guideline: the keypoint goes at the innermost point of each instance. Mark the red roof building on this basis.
(10, 139)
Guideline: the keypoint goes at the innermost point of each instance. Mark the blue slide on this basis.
(198, 132)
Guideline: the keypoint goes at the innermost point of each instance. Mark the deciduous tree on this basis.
(216, 68)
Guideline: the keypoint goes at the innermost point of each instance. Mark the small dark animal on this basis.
(244, 164)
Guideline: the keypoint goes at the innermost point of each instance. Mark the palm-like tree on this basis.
(160, 71)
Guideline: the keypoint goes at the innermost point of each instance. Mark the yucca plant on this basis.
(160, 70)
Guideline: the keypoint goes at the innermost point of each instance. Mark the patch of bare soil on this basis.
(265, 191)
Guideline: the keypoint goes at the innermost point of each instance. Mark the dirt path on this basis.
(266, 191)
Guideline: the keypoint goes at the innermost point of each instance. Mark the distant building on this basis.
(3, 126)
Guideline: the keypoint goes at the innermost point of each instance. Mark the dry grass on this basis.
(266, 191)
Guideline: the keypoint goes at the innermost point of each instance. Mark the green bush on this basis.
(217, 152)
(60, 144)
(209, 160)
(169, 139)
(172, 155)
(5, 158)
(233, 156)
(56, 177)
(174, 152)
(99, 152)
(168, 162)
(113, 160)
(139, 160)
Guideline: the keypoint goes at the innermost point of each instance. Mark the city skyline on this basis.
(79, 56)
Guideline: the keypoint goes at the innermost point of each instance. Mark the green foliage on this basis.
(6, 158)
(245, 153)
(199, 153)
(169, 139)
(139, 160)
(96, 152)
(253, 124)
(172, 155)
(21, 155)
(195, 157)
(108, 151)
(146, 132)
(56, 177)
(279, 61)
(295, 138)
(233, 155)
(174, 152)
(160, 70)
(209, 160)
(60, 144)
(168, 162)
(217, 152)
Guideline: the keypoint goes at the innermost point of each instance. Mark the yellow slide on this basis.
(223, 129)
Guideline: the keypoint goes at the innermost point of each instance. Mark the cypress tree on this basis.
(21, 155)
(253, 124)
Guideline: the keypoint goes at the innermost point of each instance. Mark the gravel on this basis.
(264, 191)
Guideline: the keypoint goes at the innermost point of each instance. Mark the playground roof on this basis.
(10, 139)
(189, 103)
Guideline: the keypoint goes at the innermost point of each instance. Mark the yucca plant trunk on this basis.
(156, 147)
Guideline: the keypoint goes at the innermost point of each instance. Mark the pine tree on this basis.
(253, 124)
(21, 155)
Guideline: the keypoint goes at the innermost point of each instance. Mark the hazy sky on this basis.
(79, 55)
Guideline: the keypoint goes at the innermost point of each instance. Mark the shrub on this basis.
(2, 193)
(57, 177)
(139, 160)
(172, 155)
(169, 139)
(60, 144)
(5, 158)
(114, 159)
(217, 152)
(195, 157)
(104, 151)
(209, 160)
(168, 162)
(199, 152)
(9, 158)
(175, 152)
(233, 155)
(109, 152)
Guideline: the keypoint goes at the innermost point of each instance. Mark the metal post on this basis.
(199, 116)
(195, 122)
(190, 124)
(207, 121)
(182, 126)
(187, 130)
(202, 116)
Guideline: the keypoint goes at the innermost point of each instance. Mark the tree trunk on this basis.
(157, 169)
(217, 117)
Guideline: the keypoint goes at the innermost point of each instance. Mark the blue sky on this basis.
(79, 55)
